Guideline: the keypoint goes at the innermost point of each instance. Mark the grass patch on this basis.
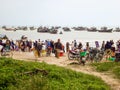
(116, 71)
(12, 77)
(111, 67)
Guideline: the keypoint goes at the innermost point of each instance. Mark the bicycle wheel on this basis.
(70, 56)
(108, 52)
(3, 53)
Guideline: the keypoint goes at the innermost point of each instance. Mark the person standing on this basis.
(39, 48)
(80, 46)
(58, 47)
(75, 43)
(67, 46)
(103, 46)
(97, 44)
(87, 46)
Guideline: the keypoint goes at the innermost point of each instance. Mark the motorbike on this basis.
(73, 54)
(76, 55)
(96, 54)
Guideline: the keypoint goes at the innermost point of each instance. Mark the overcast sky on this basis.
(60, 12)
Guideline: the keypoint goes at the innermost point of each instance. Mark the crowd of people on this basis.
(50, 46)
(38, 46)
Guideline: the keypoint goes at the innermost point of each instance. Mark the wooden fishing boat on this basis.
(32, 28)
(104, 29)
(61, 32)
(92, 29)
(2, 36)
(66, 29)
(43, 30)
(10, 29)
(79, 28)
(117, 29)
(53, 31)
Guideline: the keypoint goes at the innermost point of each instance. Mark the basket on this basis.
(82, 54)
(61, 53)
(43, 52)
(111, 59)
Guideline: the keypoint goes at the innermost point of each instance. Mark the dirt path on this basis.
(64, 62)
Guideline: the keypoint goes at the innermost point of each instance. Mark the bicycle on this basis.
(6, 52)
(96, 55)
(80, 56)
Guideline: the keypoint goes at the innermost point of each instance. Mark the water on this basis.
(80, 36)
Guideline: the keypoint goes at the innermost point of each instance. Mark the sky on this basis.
(60, 12)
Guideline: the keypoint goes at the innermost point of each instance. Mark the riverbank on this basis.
(22, 75)
(64, 62)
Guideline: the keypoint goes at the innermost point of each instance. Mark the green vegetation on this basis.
(16, 75)
(111, 67)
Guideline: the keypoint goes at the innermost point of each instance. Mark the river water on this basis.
(79, 36)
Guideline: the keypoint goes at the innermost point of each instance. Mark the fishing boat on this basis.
(32, 28)
(23, 37)
(117, 29)
(43, 30)
(104, 29)
(3, 27)
(61, 32)
(10, 29)
(24, 28)
(2, 36)
(92, 29)
(53, 31)
(66, 29)
(79, 28)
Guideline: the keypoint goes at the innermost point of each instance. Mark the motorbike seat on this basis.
(74, 52)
